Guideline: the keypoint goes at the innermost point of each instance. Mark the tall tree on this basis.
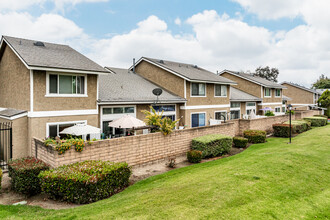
(324, 101)
(322, 83)
(267, 73)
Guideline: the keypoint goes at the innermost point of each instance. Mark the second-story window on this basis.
(268, 92)
(220, 90)
(66, 84)
(277, 92)
(198, 89)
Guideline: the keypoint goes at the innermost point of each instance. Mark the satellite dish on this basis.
(157, 91)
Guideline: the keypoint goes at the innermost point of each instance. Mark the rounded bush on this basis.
(212, 145)
(24, 175)
(269, 114)
(194, 156)
(317, 121)
(255, 136)
(240, 142)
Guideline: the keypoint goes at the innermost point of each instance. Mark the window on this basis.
(118, 110)
(277, 92)
(268, 92)
(220, 90)
(235, 104)
(283, 109)
(283, 102)
(250, 104)
(54, 129)
(66, 84)
(249, 111)
(235, 114)
(197, 120)
(220, 115)
(198, 89)
(277, 109)
(165, 108)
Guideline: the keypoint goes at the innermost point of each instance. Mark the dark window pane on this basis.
(65, 84)
(194, 120)
(107, 111)
(195, 88)
(81, 85)
(74, 85)
(129, 109)
(52, 131)
(53, 84)
(219, 117)
(118, 110)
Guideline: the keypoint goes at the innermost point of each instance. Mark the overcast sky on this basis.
(239, 35)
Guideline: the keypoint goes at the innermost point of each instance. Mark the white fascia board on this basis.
(204, 106)
(305, 104)
(214, 82)
(139, 102)
(67, 70)
(270, 103)
(41, 114)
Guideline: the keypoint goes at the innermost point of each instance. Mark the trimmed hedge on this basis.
(212, 145)
(317, 121)
(282, 130)
(299, 126)
(194, 156)
(85, 182)
(24, 175)
(240, 142)
(324, 116)
(255, 136)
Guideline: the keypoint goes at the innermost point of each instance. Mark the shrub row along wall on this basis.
(144, 149)
(135, 150)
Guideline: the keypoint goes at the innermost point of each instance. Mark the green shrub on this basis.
(212, 145)
(0, 178)
(269, 113)
(194, 156)
(282, 130)
(299, 126)
(85, 182)
(288, 112)
(240, 142)
(24, 175)
(324, 116)
(317, 121)
(255, 136)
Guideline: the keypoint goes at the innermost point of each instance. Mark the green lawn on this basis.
(274, 180)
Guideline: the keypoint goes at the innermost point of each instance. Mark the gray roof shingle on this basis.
(255, 79)
(240, 96)
(122, 85)
(10, 112)
(300, 87)
(52, 55)
(190, 71)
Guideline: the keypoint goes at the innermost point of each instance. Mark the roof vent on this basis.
(196, 66)
(38, 44)
(161, 61)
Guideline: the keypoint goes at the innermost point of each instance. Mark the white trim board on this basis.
(204, 106)
(139, 102)
(271, 103)
(305, 104)
(41, 114)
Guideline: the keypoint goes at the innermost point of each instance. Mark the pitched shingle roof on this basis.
(51, 56)
(255, 79)
(300, 87)
(240, 96)
(189, 72)
(122, 85)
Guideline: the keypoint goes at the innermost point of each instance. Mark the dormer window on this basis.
(66, 85)
(198, 89)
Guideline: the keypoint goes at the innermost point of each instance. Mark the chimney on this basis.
(133, 65)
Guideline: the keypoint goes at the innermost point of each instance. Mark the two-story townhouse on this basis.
(207, 95)
(302, 98)
(123, 92)
(49, 86)
(270, 92)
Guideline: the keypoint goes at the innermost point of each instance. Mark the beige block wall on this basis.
(14, 82)
(42, 103)
(272, 99)
(19, 137)
(298, 96)
(244, 85)
(161, 77)
(210, 99)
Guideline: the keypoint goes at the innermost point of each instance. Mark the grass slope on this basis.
(274, 180)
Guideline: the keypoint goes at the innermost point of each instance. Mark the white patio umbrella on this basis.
(127, 121)
(81, 129)
(252, 115)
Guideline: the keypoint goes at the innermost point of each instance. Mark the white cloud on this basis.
(177, 21)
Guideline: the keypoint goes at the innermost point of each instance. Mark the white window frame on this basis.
(235, 109)
(170, 112)
(218, 96)
(191, 95)
(111, 117)
(62, 123)
(197, 113)
(225, 111)
(278, 108)
(251, 107)
(64, 95)
(280, 93)
(270, 93)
